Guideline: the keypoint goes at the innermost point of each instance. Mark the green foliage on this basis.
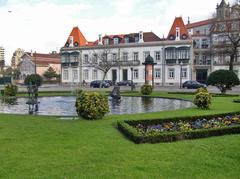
(91, 105)
(34, 79)
(146, 89)
(223, 79)
(202, 99)
(10, 90)
(50, 73)
(204, 90)
(15, 73)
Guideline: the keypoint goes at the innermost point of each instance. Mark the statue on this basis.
(115, 94)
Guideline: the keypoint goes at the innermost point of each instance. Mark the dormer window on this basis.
(177, 33)
(116, 40)
(106, 41)
(126, 40)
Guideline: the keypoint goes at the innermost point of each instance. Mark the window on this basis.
(95, 58)
(125, 56)
(135, 56)
(157, 73)
(115, 40)
(95, 74)
(126, 39)
(85, 58)
(145, 54)
(136, 39)
(65, 74)
(106, 41)
(75, 58)
(183, 54)
(184, 73)
(114, 57)
(135, 74)
(75, 74)
(171, 54)
(171, 73)
(157, 56)
(85, 74)
(177, 32)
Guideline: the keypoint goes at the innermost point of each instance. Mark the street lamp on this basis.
(181, 64)
(131, 78)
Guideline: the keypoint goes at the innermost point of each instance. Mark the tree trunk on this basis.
(231, 62)
(104, 76)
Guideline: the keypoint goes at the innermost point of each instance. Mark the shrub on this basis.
(91, 106)
(201, 90)
(223, 79)
(146, 89)
(34, 79)
(10, 90)
(202, 100)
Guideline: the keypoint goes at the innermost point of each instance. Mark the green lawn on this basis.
(45, 147)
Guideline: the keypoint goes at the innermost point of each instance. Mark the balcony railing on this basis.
(175, 61)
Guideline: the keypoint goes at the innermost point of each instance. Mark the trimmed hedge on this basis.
(129, 130)
(213, 94)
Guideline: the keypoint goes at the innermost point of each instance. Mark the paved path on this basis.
(235, 90)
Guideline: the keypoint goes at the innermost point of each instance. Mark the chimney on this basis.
(141, 37)
(100, 39)
(71, 41)
(31, 53)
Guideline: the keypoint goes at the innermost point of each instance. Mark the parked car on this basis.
(109, 82)
(97, 83)
(193, 85)
(125, 83)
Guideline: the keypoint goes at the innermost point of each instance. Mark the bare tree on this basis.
(103, 60)
(227, 30)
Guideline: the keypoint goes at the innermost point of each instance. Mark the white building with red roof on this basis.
(172, 56)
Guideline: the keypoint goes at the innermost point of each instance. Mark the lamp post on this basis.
(181, 64)
(35, 60)
(131, 78)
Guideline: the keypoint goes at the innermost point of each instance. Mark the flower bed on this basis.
(173, 129)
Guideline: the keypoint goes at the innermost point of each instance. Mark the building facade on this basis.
(173, 56)
(210, 44)
(17, 58)
(38, 63)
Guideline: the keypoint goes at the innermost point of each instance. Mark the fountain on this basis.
(32, 98)
(115, 94)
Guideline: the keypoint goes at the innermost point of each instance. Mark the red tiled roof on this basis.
(178, 22)
(199, 23)
(44, 59)
(77, 37)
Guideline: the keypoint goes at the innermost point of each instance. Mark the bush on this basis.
(223, 79)
(146, 89)
(10, 90)
(204, 90)
(34, 79)
(91, 105)
(202, 99)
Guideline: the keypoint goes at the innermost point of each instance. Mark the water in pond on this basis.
(65, 106)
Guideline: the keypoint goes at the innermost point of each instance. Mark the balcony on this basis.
(176, 62)
(74, 64)
(127, 63)
(65, 64)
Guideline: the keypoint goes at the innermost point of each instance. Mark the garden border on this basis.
(126, 127)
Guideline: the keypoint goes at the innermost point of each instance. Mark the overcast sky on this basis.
(44, 25)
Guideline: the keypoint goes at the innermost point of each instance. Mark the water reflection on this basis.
(65, 106)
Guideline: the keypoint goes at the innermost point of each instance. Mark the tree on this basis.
(2, 64)
(15, 73)
(50, 73)
(226, 27)
(223, 79)
(34, 79)
(102, 60)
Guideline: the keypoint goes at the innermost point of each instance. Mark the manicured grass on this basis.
(45, 147)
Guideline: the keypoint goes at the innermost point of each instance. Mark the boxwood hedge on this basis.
(127, 127)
